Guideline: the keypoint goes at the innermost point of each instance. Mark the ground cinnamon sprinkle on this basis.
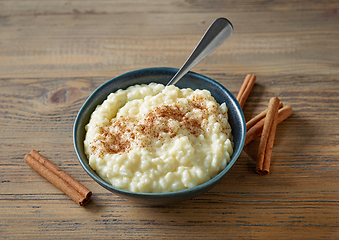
(124, 132)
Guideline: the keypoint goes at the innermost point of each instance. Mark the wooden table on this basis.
(53, 54)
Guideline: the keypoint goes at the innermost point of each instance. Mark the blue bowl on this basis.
(160, 75)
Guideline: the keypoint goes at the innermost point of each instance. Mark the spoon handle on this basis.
(216, 34)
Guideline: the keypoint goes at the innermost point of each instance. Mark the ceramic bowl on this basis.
(160, 75)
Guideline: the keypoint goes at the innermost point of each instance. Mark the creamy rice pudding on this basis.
(152, 138)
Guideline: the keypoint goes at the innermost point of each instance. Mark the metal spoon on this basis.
(216, 34)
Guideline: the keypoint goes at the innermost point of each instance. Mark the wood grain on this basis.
(54, 54)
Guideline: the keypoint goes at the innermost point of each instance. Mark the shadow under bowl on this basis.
(160, 75)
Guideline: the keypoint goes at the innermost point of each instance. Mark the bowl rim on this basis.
(200, 187)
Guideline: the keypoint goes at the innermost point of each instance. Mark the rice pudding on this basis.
(152, 138)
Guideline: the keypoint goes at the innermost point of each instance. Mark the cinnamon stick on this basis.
(245, 89)
(76, 191)
(267, 138)
(260, 116)
(254, 129)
